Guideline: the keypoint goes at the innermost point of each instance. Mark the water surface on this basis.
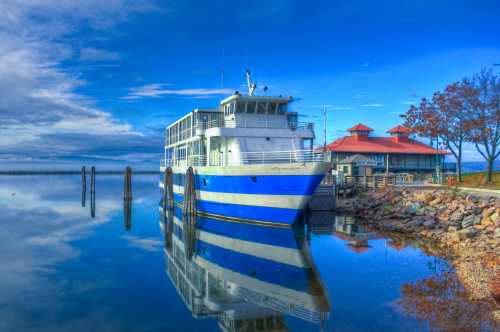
(64, 266)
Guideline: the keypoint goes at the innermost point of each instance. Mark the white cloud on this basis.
(377, 105)
(39, 106)
(148, 244)
(359, 96)
(341, 108)
(408, 103)
(156, 90)
(94, 54)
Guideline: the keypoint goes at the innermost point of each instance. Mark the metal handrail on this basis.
(274, 124)
(222, 123)
(248, 158)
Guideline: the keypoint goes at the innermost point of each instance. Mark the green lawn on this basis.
(477, 180)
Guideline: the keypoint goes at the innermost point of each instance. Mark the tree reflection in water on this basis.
(442, 301)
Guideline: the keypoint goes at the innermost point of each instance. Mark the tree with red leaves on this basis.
(483, 124)
(445, 116)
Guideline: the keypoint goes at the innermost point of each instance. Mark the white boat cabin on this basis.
(245, 129)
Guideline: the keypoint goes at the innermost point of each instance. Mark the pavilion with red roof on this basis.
(397, 153)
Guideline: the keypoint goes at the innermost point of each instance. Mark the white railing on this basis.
(274, 124)
(221, 123)
(249, 158)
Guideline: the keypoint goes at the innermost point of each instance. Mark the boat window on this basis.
(251, 107)
(271, 108)
(240, 107)
(261, 108)
(231, 108)
(282, 108)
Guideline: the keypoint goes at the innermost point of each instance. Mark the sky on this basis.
(95, 82)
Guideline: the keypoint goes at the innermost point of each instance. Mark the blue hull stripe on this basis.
(287, 276)
(246, 212)
(261, 184)
(281, 237)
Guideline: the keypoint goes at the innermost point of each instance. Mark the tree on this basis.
(445, 116)
(483, 127)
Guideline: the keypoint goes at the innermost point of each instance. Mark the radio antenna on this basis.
(252, 86)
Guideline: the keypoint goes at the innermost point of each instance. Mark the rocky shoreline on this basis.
(465, 229)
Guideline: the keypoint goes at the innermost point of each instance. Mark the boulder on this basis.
(467, 233)
(468, 221)
(430, 224)
(435, 201)
(488, 212)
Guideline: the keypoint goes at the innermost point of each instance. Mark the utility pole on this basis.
(324, 123)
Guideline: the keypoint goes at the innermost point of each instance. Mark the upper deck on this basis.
(237, 111)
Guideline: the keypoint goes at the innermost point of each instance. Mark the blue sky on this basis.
(96, 81)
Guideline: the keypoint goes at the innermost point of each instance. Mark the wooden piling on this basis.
(92, 192)
(168, 191)
(92, 180)
(84, 186)
(127, 199)
(127, 190)
(189, 213)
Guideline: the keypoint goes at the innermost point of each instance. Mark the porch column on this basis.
(387, 164)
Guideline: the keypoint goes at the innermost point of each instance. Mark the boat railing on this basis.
(248, 158)
(200, 127)
(273, 124)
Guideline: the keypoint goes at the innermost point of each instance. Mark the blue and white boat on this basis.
(242, 281)
(252, 160)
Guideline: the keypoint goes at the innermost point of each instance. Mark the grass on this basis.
(477, 180)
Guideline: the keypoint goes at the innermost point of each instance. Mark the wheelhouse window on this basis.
(282, 108)
(261, 108)
(251, 105)
(271, 108)
(240, 107)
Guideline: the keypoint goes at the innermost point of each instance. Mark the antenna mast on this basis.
(251, 85)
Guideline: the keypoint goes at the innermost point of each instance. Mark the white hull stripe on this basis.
(295, 202)
(287, 295)
(274, 253)
(312, 168)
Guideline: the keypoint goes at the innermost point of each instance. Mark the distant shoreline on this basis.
(73, 172)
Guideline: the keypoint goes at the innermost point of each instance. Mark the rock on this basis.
(435, 202)
(429, 223)
(467, 233)
(488, 212)
(468, 221)
(452, 229)
(486, 221)
(495, 217)
(456, 216)
(497, 233)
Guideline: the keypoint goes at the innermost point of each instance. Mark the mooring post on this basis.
(92, 180)
(92, 192)
(127, 190)
(84, 186)
(84, 179)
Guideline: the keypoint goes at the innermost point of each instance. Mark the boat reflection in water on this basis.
(246, 276)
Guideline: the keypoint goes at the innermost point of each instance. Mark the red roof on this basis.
(381, 145)
(360, 127)
(399, 130)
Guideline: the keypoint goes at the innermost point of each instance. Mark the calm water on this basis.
(62, 269)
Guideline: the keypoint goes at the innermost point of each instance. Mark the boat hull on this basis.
(274, 194)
